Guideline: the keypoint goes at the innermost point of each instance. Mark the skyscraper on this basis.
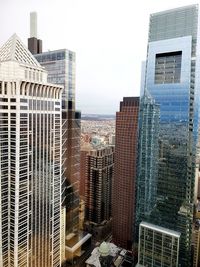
(60, 65)
(172, 80)
(98, 185)
(30, 162)
(123, 198)
(85, 149)
(147, 160)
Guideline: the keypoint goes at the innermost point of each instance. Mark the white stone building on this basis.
(30, 161)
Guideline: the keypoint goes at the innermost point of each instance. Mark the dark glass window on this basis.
(168, 67)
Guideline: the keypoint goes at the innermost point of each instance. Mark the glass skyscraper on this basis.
(60, 65)
(148, 151)
(172, 80)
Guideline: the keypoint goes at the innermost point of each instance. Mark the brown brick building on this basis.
(98, 187)
(123, 192)
(85, 149)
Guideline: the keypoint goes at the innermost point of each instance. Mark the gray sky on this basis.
(108, 36)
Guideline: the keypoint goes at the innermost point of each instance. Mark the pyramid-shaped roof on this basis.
(15, 50)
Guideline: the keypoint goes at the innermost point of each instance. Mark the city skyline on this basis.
(97, 31)
(124, 187)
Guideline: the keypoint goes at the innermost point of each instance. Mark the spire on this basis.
(15, 50)
(34, 44)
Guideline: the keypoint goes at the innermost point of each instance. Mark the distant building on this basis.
(158, 246)
(96, 140)
(112, 139)
(98, 186)
(85, 149)
(86, 138)
(123, 191)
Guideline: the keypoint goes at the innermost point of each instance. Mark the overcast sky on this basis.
(108, 36)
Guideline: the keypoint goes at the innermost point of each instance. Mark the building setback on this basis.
(172, 80)
(30, 161)
(123, 191)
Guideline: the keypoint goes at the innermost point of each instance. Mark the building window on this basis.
(5, 88)
(26, 76)
(168, 67)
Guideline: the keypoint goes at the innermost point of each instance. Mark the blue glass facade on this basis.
(148, 150)
(173, 98)
(60, 65)
(172, 80)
